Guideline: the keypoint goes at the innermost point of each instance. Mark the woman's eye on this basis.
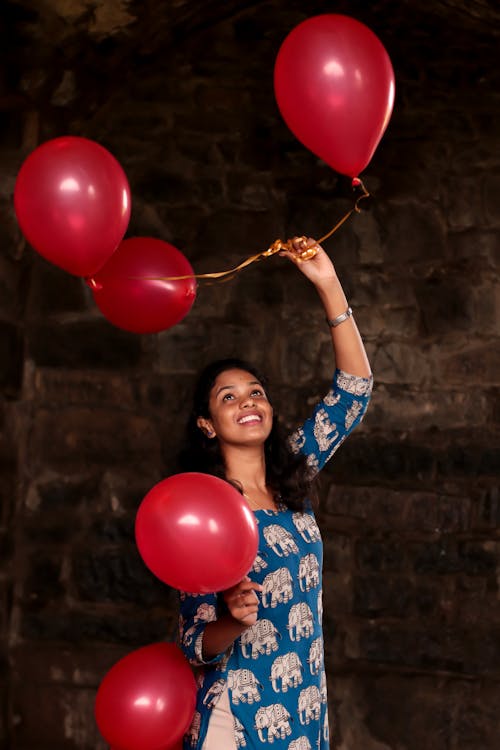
(257, 392)
(227, 396)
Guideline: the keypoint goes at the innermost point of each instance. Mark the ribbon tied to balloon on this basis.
(334, 86)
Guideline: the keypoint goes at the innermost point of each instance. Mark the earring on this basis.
(210, 433)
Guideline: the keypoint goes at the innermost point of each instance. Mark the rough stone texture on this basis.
(180, 91)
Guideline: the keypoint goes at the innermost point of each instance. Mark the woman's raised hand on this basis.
(242, 601)
(311, 259)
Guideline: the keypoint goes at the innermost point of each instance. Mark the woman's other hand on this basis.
(242, 601)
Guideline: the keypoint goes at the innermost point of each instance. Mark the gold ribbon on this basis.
(276, 247)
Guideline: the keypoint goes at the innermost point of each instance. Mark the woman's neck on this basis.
(247, 466)
(248, 469)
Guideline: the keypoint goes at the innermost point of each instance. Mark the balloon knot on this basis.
(93, 284)
(356, 182)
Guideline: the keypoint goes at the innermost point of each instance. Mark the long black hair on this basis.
(287, 473)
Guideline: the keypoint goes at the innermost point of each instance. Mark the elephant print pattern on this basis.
(274, 672)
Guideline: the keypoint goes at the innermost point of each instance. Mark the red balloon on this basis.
(147, 699)
(196, 533)
(334, 86)
(72, 202)
(132, 291)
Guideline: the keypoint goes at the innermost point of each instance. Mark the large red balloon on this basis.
(197, 533)
(133, 290)
(72, 202)
(334, 86)
(147, 699)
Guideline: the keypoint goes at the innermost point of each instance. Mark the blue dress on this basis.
(274, 672)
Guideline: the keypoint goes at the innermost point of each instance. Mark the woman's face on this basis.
(240, 413)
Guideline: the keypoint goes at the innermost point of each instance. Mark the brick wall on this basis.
(91, 416)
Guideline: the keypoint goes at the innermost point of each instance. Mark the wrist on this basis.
(338, 319)
(327, 282)
(238, 623)
(329, 289)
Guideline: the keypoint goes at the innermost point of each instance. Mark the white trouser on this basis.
(220, 735)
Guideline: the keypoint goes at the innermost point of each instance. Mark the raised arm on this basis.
(350, 354)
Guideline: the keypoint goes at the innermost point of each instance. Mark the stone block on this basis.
(181, 354)
(437, 557)
(84, 344)
(96, 436)
(11, 299)
(52, 294)
(476, 603)
(473, 651)
(61, 664)
(398, 407)
(51, 494)
(476, 364)
(380, 555)
(236, 235)
(417, 231)
(445, 304)
(55, 385)
(338, 553)
(432, 597)
(471, 455)
(377, 289)
(6, 546)
(8, 496)
(116, 575)
(476, 723)
(6, 596)
(11, 357)
(487, 507)
(113, 529)
(337, 599)
(123, 489)
(300, 354)
(382, 596)
(44, 583)
(104, 624)
(480, 557)
(349, 730)
(464, 209)
(399, 362)
(478, 244)
(486, 306)
(412, 712)
(399, 511)
(491, 190)
(254, 194)
(439, 513)
(46, 716)
(370, 458)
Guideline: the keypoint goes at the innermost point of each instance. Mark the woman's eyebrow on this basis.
(228, 387)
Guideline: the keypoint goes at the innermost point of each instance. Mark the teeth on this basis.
(252, 418)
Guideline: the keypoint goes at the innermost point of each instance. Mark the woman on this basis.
(259, 645)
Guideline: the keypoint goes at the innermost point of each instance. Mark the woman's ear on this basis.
(206, 427)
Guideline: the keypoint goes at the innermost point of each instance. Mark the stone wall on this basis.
(91, 416)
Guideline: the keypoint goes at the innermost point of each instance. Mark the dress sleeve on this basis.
(333, 419)
(196, 610)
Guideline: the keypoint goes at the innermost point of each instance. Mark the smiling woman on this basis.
(259, 644)
(239, 410)
(231, 421)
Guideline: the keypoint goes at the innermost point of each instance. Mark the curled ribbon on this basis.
(277, 246)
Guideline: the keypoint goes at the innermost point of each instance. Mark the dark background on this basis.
(91, 417)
